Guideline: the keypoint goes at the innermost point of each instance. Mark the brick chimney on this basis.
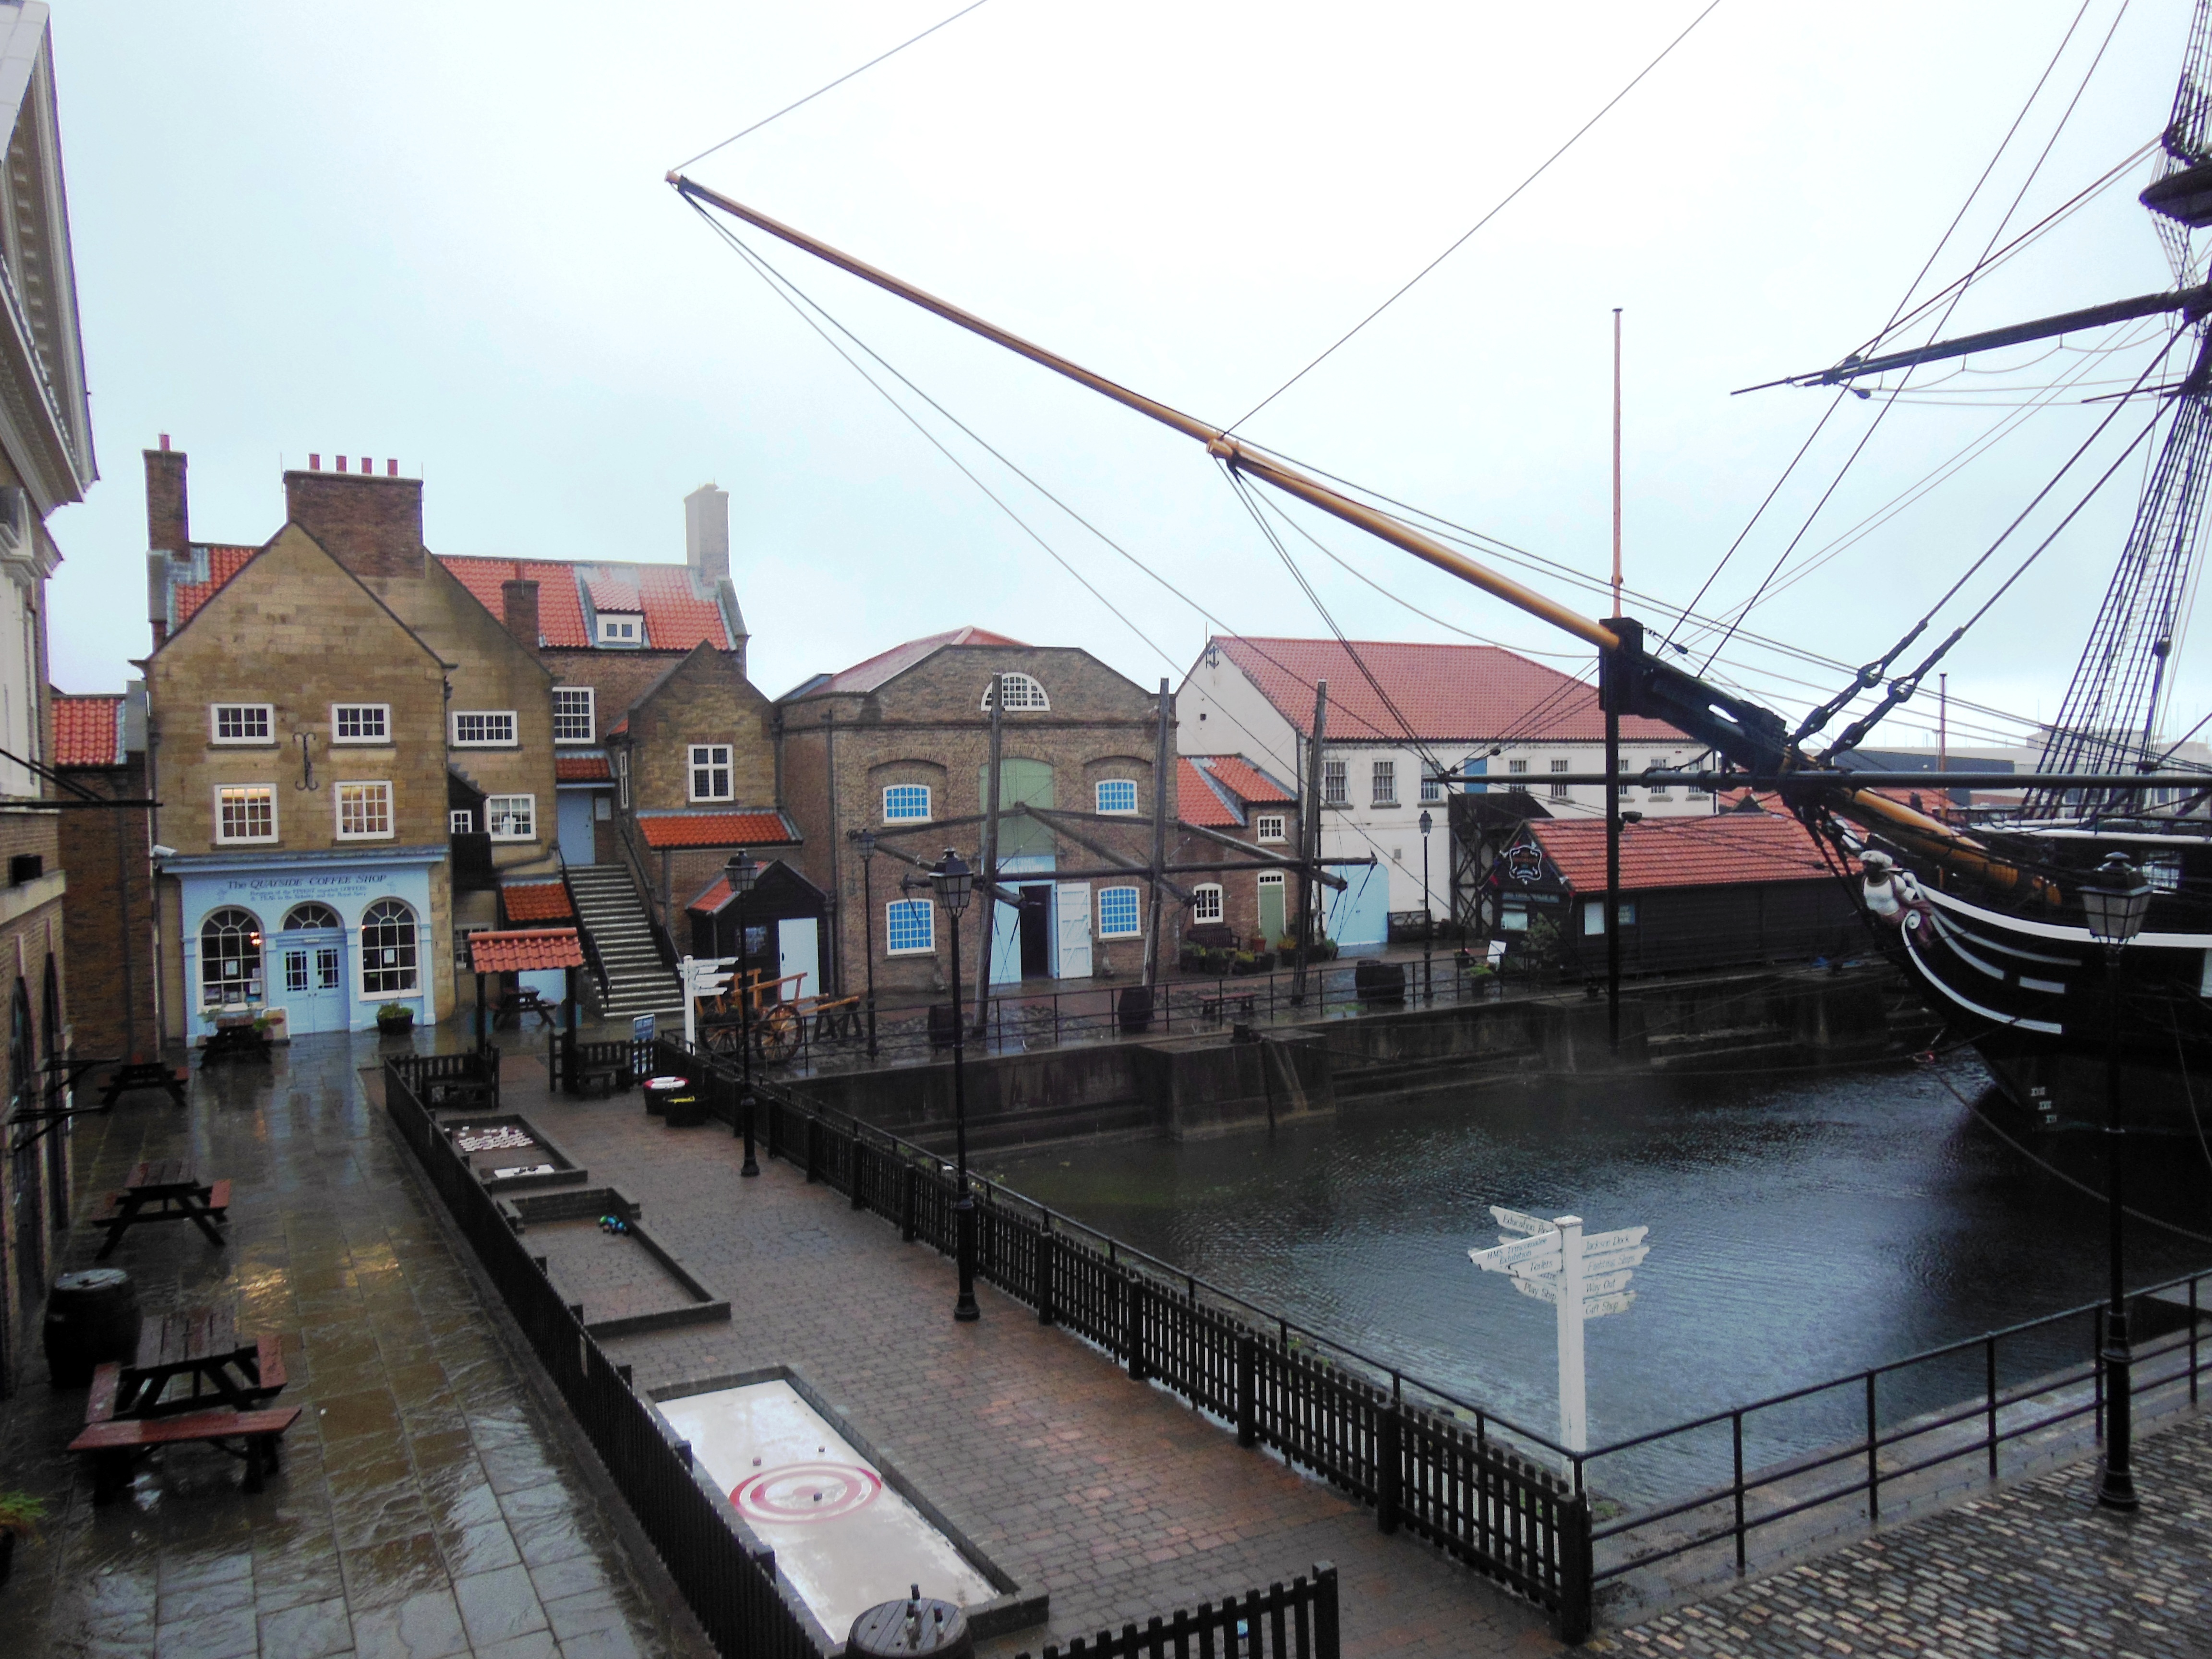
(518, 609)
(168, 519)
(371, 525)
(707, 533)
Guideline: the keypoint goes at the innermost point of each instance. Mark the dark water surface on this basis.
(1804, 1227)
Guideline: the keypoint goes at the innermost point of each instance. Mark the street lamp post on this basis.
(866, 843)
(954, 881)
(1428, 920)
(742, 873)
(2114, 902)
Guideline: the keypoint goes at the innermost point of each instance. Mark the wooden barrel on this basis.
(915, 1626)
(91, 1317)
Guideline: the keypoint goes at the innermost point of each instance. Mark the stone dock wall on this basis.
(1212, 1083)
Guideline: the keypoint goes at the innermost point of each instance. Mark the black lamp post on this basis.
(866, 843)
(2114, 902)
(954, 882)
(1428, 921)
(742, 873)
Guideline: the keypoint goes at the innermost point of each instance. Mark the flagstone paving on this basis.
(427, 1505)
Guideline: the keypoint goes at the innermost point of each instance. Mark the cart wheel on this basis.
(779, 1034)
(723, 1040)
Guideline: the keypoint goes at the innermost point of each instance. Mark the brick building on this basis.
(900, 745)
(107, 915)
(1231, 797)
(45, 463)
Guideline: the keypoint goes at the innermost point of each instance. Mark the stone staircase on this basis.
(609, 911)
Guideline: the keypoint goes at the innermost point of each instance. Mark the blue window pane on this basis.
(910, 925)
(1117, 912)
(1117, 795)
(906, 800)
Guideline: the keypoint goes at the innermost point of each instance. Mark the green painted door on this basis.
(1271, 911)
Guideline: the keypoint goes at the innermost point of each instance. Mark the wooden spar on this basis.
(1219, 443)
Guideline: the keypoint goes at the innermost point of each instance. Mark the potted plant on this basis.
(20, 1515)
(1246, 962)
(394, 1019)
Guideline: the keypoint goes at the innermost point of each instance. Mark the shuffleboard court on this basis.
(844, 1539)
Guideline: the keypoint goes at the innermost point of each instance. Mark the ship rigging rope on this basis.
(831, 86)
(1904, 301)
(1486, 219)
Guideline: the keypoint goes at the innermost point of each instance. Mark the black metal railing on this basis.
(1421, 1459)
(735, 1594)
(1293, 1621)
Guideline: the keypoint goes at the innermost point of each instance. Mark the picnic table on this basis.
(235, 1038)
(518, 1006)
(227, 1385)
(143, 1074)
(164, 1189)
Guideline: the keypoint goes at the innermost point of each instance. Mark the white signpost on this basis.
(703, 976)
(1584, 1277)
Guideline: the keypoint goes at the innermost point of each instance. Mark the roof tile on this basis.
(1710, 852)
(223, 564)
(1246, 781)
(525, 953)
(581, 769)
(537, 901)
(560, 608)
(715, 830)
(87, 730)
(1196, 803)
(889, 665)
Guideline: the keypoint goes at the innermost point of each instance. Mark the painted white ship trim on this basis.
(1972, 1007)
(2053, 931)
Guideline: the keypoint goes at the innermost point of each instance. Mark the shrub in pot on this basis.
(393, 1017)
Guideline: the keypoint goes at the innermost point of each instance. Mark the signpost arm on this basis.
(1574, 1422)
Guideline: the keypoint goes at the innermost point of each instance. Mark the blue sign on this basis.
(641, 1028)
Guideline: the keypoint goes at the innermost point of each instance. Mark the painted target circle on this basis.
(806, 1491)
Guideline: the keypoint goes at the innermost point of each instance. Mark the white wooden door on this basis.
(1072, 919)
(799, 950)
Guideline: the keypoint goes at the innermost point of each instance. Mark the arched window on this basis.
(1022, 692)
(387, 949)
(304, 916)
(230, 956)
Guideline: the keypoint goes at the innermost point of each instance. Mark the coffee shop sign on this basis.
(358, 881)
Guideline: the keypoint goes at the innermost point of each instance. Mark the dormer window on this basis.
(1022, 692)
(618, 629)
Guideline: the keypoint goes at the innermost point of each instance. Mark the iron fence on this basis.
(1296, 1621)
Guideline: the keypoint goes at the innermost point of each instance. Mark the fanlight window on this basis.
(230, 956)
(1022, 692)
(304, 916)
(387, 949)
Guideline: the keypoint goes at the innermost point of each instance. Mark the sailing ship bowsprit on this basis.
(1989, 924)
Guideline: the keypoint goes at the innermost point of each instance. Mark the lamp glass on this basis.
(2115, 901)
(742, 872)
(1427, 824)
(953, 880)
(866, 843)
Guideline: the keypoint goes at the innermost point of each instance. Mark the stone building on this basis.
(107, 915)
(900, 745)
(1398, 713)
(350, 750)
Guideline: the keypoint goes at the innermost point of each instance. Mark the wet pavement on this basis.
(429, 1502)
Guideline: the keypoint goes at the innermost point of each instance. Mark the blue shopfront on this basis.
(330, 937)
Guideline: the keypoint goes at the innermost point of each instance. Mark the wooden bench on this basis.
(145, 1074)
(117, 1443)
(175, 1193)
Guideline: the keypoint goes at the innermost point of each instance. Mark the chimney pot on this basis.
(315, 462)
(165, 441)
(341, 463)
(392, 469)
(367, 464)
(707, 533)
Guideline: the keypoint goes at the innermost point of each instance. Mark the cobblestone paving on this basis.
(427, 1505)
(1112, 1496)
(2035, 1569)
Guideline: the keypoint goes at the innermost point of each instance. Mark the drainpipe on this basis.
(989, 863)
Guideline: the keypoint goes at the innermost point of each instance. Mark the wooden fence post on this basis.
(1573, 1522)
(1046, 1248)
(1132, 1325)
(1327, 1642)
(1247, 1388)
(1389, 1466)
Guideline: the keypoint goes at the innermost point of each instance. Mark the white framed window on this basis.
(574, 716)
(909, 926)
(622, 778)
(245, 812)
(361, 722)
(1118, 914)
(1269, 827)
(460, 822)
(906, 803)
(1022, 692)
(1660, 792)
(483, 728)
(1335, 783)
(1117, 795)
(1516, 768)
(511, 818)
(710, 771)
(1559, 790)
(364, 810)
(242, 722)
(1594, 915)
(1384, 783)
(387, 950)
(1512, 918)
(1205, 901)
(619, 629)
(302, 918)
(230, 956)
(1698, 791)
(1431, 788)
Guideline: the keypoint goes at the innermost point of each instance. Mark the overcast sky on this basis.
(440, 233)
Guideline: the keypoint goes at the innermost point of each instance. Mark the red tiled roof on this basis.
(1707, 852)
(711, 902)
(525, 953)
(675, 617)
(581, 769)
(1448, 693)
(888, 664)
(560, 608)
(89, 730)
(536, 901)
(715, 829)
(223, 564)
(613, 594)
(1246, 781)
(1196, 803)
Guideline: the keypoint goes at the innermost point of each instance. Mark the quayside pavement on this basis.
(427, 1505)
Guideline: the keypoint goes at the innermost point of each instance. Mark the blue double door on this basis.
(307, 977)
